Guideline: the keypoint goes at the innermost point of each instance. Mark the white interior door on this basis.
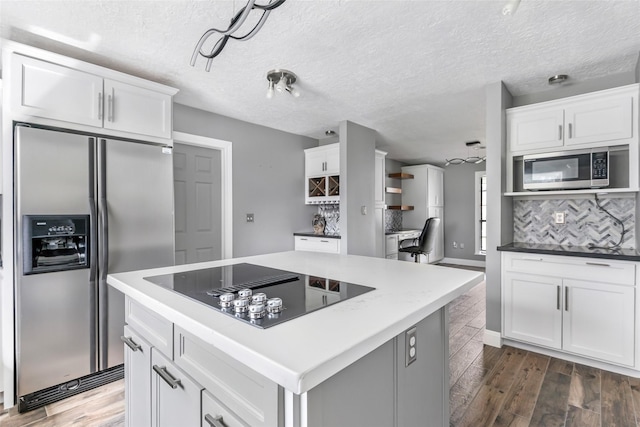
(198, 203)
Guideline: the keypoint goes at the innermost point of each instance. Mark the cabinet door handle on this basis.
(166, 376)
(531, 259)
(600, 264)
(100, 106)
(130, 343)
(560, 132)
(215, 421)
(558, 297)
(110, 111)
(304, 239)
(570, 129)
(566, 299)
(324, 241)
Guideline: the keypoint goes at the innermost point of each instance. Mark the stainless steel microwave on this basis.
(566, 170)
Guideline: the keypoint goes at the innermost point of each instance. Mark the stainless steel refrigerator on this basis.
(85, 206)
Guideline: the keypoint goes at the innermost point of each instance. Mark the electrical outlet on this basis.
(410, 346)
(558, 217)
(461, 245)
(455, 245)
(363, 210)
(250, 217)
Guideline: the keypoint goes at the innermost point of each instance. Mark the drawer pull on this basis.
(130, 343)
(303, 238)
(324, 241)
(599, 264)
(214, 421)
(531, 259)
(166, 376)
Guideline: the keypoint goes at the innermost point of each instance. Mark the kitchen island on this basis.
(344, 364)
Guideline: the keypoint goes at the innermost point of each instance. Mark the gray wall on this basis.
(268, 179)
(357, 178)
(500, 208)
(460, 211)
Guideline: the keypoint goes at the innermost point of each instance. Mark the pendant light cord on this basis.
(616, 221)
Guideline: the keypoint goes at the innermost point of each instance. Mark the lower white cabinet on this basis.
(590, 318)
(317, 244)
(137, 379)
(175, 398)
(214, 414)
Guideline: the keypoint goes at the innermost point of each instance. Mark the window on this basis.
(481, 212)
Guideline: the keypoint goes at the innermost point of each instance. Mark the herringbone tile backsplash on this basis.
(584, 222)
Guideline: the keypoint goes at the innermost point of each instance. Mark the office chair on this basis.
(423, 245)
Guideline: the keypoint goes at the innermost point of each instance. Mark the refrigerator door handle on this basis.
(93, 250)
(103, 258)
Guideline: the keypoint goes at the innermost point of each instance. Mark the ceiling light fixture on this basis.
(470, 159)
(282, 81)
(558, 79)
(234, 26)
(511, 7)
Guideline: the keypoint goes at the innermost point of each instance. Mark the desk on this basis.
(395, 238)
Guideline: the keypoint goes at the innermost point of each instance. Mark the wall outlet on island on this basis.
(249, 217)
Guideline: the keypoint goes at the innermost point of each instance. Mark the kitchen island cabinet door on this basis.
(137, 379)
(599, 321)
(175, 398)
(532, 309)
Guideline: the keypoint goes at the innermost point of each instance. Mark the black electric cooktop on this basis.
(275, 296)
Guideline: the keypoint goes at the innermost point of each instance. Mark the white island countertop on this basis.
(303, 352)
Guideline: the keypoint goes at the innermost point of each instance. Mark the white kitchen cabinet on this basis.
(380, 178)
(595, 119)
(62, 93)
(391, 246)
(599, 321)
(435, 187)
(575, 305)
(138, 110)
(175, 398)
(322, 160)
(137, 379)
(317, 244)
(322, 174)
(532, 309)
(215, 414)
(56, 92)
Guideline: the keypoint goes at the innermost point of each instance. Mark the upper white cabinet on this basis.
(83, 95)
(323, 160)
(607, 117)
(435, 187)
(379, 178)
(322, 174)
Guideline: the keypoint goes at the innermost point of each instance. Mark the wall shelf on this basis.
(400, 207)
(393, 190)
(401, 175)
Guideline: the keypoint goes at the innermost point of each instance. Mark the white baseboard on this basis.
(460, 261)
(492, 338)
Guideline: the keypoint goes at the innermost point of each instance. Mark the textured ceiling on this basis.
(415, 71)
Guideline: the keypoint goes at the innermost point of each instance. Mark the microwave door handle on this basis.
(570, 129)
(560, 133)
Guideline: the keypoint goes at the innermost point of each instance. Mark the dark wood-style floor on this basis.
(489, 387)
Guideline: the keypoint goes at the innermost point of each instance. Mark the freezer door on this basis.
(135, 207)
(55, 330)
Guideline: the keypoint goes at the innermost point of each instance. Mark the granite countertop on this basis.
(304, 352)
(577, 251)
(312, 234)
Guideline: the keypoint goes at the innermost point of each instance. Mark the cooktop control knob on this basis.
(259, 298)
(245, 294)
(257, 311)
(241, 306)
(274, 305)
(226, 300)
